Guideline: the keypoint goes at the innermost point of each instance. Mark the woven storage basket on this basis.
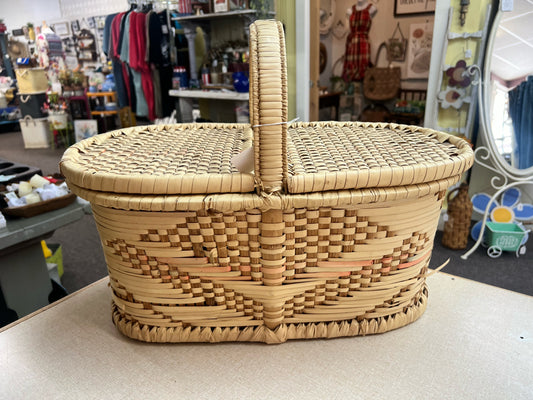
(331, 236)
(31, 80)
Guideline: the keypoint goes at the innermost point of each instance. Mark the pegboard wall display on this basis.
(71, 9)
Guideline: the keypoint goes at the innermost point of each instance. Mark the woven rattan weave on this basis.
(330, 236)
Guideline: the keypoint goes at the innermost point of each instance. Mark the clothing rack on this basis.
(171, 30)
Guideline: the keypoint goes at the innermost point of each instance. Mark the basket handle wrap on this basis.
(268, 104)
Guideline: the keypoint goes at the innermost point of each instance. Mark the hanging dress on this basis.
(357, 55)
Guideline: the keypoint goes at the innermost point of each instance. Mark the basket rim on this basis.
(167, 184)
(231, 202)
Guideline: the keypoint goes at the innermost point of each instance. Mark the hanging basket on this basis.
(330, 236)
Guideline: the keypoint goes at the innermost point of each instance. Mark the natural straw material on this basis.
(458, 219)
(330, 236)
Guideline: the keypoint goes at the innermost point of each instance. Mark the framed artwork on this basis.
(419, 50)
(75, 25)
(91, 21)
(412, 7)
(397, 45)
(61, 28)
(220, 5)
(85, 128)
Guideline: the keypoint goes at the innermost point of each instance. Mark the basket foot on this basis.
(261, 333)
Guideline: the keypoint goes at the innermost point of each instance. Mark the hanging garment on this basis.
(123, 47)
(127, 75)
(107, 34)
(153, 57)
(521, 112)
(357, 55)
(135, 60)
(113, 27)
(138, 63)
(165, 69)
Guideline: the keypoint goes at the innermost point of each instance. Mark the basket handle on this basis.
(28, 118)
(268, 104)
(381, 47)
(450, 193)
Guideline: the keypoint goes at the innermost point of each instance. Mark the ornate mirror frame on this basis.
(488, 156)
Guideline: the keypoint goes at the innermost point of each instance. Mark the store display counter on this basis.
(24, 275)
(474, 342)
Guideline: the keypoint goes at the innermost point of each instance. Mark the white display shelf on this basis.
(209, 94)
(210, 16)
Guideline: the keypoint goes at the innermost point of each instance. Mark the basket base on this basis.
(282, 333)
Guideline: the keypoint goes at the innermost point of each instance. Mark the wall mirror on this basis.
(507, 87)
(507, 93)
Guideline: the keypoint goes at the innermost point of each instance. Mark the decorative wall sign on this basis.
(61, 28)
(458, 76)
(397, 46)
(419, 52)
(220, 5)
(408, 7)
(452, 97)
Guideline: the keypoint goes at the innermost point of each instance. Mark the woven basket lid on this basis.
(296, 158)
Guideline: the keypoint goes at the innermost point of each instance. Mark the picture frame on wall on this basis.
(220, 6)
(413, 7)
(61, 28)
(396, 49)
(85, 128)
(397, 45)
(75, 26)
(419, 51)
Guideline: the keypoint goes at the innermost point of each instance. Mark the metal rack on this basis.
(171, 30)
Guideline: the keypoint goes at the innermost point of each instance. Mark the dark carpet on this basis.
(84, 261)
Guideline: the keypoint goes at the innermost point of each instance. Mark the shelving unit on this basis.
(186, 98)
(103, 115)
(109, 97)
(191, 22)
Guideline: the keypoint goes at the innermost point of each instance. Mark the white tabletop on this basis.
(474, 342)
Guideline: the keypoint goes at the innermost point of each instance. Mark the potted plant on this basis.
(58, 120)
(78, 80)
(57, 111)
(65, 78)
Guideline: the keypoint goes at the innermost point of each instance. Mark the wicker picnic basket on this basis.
(330, 236)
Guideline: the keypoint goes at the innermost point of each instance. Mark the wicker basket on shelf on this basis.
(330, 236)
